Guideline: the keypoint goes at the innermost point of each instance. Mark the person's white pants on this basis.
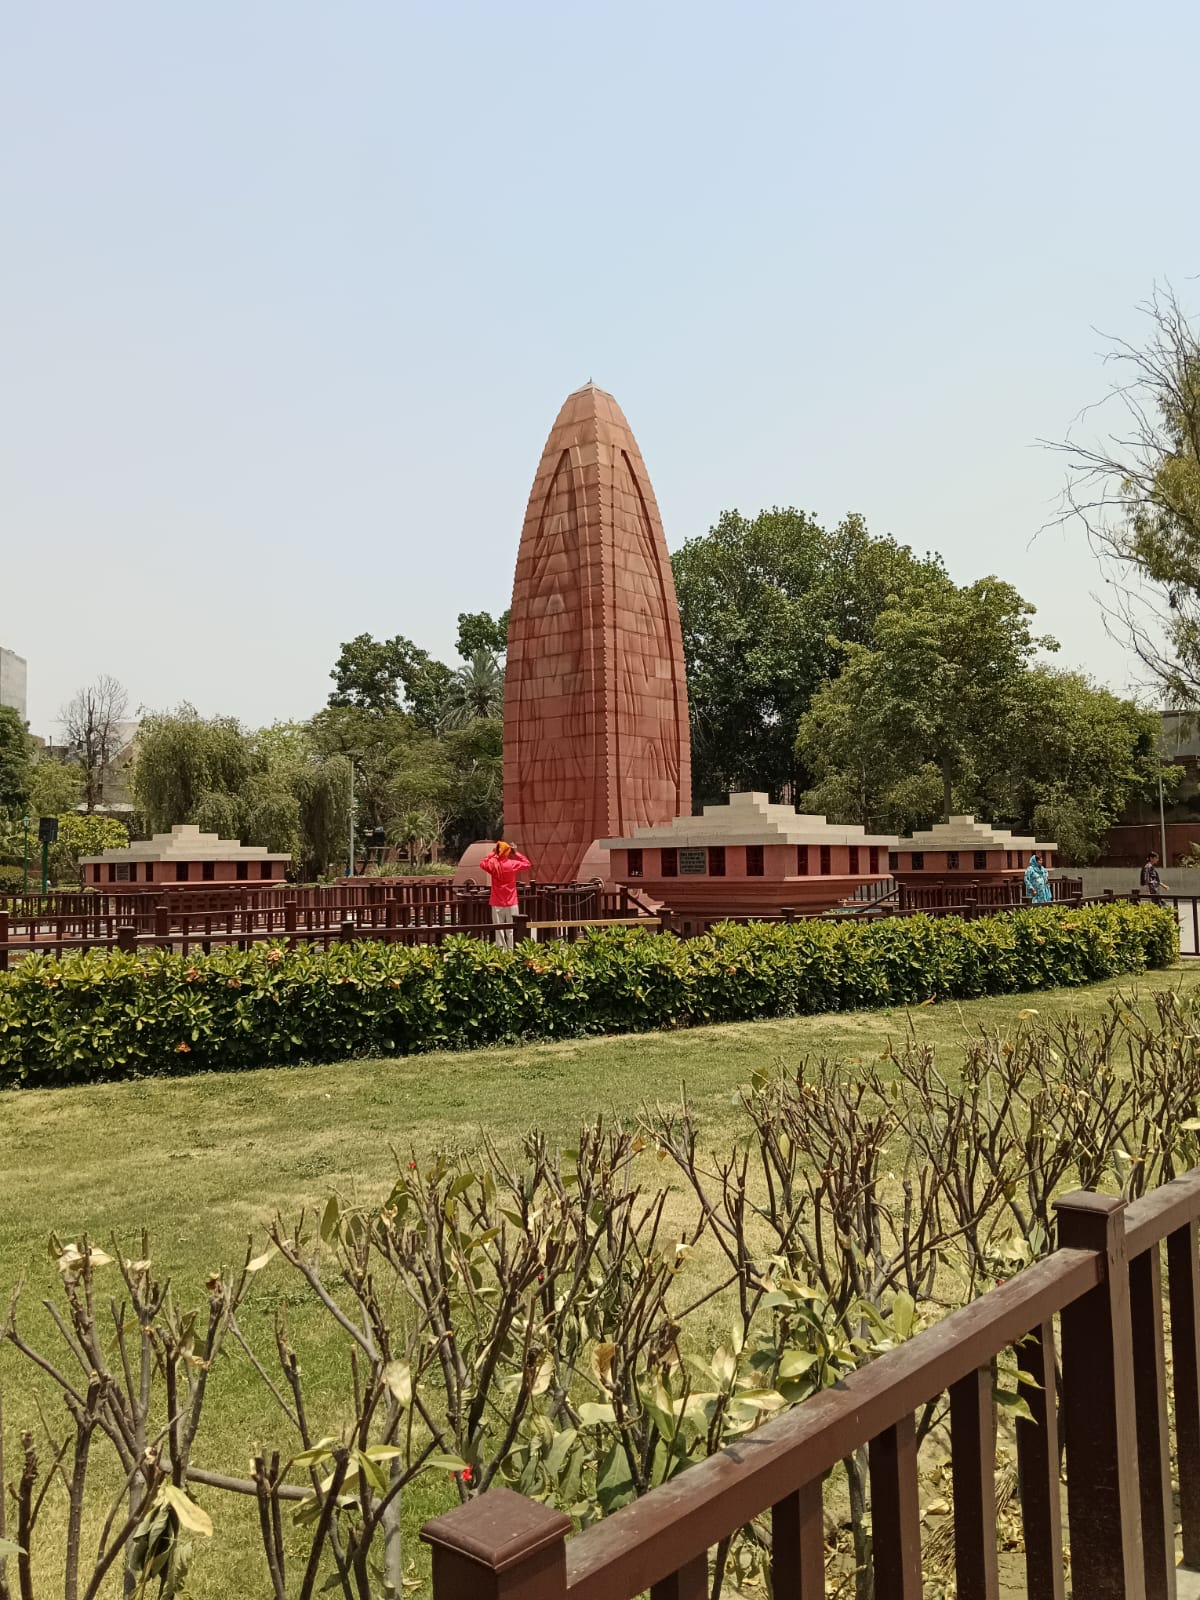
(503, 916)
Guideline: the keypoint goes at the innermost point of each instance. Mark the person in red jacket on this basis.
(502, 867)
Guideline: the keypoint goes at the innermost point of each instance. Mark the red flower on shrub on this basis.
(183, 1048)
(274, 955)
(465, 1476)
(192, 974)
(412, 1166)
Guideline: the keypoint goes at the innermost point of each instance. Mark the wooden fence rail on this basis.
(1109, 1418)
(545, 912)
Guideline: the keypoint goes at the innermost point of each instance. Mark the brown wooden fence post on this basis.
(798, 1545)
(896, 1513)
(1039, 1466)
(127, 938)
(3, 941)
(347, 931)
(1183, 1277)
(973, 1462)
(499, 1546)
(1099, 1420)
(520, 928)
(162, 922)
(1150, 1405)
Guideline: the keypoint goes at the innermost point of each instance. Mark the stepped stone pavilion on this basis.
(749, 857)
(185, 857)
(596, 739)
(965, 849)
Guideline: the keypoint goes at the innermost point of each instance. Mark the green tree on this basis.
(79, 836)
(323, 796)
(479, 630)
(278, 787)
(476, 690)
(1027, 746)
(476, 796)
(935, 691)
(374, 742)
(184, 759)
(419, 832)
(763, 602)
(15, 772)
(383, 675)
(54, 787)
(1072, 758)
(1137, 494)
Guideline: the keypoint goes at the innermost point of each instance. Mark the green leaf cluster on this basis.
(109, 1015)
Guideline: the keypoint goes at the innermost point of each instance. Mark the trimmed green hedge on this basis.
(101, 1016)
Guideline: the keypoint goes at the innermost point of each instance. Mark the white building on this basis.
(13, 675)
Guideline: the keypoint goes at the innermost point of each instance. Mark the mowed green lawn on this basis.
(203, 1162)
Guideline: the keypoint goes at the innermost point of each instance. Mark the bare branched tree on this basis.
(1137, 494)
(91, 721)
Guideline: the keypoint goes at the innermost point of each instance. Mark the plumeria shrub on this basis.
(581, 1325)
(110, 1015)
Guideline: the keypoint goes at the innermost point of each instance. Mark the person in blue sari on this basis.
(1037, 884)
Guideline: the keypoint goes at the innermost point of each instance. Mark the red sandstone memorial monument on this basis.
(595, 703)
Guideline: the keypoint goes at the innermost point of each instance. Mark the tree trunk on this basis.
(947, 792)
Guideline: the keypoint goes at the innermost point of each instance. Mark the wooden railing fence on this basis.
(186, 922)
(1105, 1415)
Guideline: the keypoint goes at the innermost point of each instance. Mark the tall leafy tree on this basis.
(55, 787)
(382, 675)
(276, 788)
(951, 711)
(323, 794)
(933, 691)
(476, 757)
(371, 741)
(1072, 759)
(183, 758)
(14, 761)
(479, 630)
(764, 602)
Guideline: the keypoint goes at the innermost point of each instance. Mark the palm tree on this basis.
(419, 833)
(475, 691)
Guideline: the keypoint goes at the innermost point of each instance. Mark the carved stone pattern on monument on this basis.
(595, 719)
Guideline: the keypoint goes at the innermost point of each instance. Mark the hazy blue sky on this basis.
(291, 293)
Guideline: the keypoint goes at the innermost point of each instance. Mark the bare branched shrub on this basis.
(543, 1319)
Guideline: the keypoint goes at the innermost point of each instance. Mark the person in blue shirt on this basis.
(1037, 884)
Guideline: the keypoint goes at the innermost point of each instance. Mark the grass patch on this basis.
(203, 1161)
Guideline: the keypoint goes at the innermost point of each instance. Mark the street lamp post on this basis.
(350, 865)
(1162, 824)
(25, 825)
